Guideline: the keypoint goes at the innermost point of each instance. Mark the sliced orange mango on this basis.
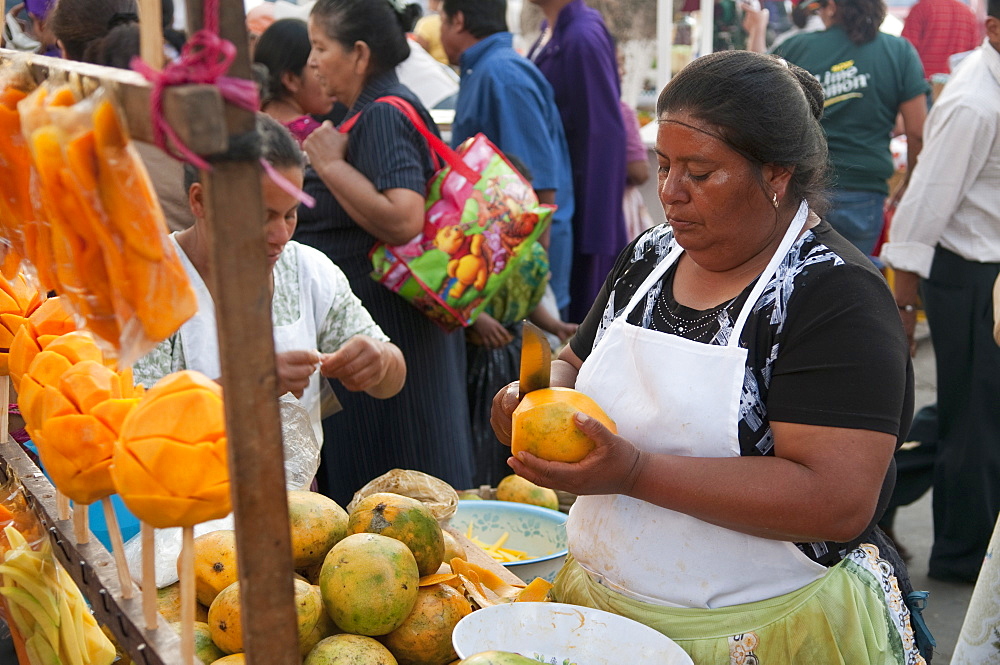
(125, 190)
(53, 403)
(29, 392)
(76, 346)
(163, 512)
(168, 460)
(131, 477)
(112, 412)
(188, 416)
(48, 321)
(48, 366)
(88, 383)
(81, 438)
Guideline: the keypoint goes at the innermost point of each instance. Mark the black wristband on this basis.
(907, 308)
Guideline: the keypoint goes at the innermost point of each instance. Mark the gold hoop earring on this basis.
(774, 199)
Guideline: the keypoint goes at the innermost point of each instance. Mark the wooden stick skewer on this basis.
(5, 401)
(188, 598)
(149, 611)
(81, 527)
(151, 32)
(62, 506)
(118, 548)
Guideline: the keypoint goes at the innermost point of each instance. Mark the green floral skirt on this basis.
(853, 615)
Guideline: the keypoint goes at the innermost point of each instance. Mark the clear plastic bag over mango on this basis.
(15, 169)
(97, 234)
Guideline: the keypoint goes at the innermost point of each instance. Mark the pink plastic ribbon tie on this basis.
(286, 186)
(204, 60)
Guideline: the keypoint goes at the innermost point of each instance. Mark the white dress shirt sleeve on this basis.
(956, 147)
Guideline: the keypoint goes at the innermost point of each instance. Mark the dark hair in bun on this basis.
(382, 24)
(764, 108)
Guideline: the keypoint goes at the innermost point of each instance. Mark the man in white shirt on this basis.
(945, 242)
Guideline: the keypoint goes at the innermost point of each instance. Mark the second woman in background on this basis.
(292, 91)
(370, 186)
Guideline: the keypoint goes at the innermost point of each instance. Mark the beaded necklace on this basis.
(700, 326)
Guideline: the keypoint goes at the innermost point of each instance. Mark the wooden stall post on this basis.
(151, 32)
(240, 286)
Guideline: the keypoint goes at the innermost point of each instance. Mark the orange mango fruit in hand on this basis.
(49, 321)
(18, 300)
(170, 460)
(543, 424)
(80, 420)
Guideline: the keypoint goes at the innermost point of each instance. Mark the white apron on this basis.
(672, 395)
(200, 339)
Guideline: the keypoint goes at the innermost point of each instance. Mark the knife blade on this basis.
(536, 359)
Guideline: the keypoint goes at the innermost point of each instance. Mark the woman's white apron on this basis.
(200, 339)
(672, 395)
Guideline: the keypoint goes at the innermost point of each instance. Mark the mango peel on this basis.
(170, 460)
(543, 424)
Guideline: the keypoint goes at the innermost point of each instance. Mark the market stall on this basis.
(96, 588)
(224, 133)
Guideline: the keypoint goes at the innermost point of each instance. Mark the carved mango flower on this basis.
(73, 406)
(170, 461)
(18, 299)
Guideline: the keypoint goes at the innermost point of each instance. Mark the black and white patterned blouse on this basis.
(825, 344)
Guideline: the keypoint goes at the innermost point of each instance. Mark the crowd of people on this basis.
(750, 350)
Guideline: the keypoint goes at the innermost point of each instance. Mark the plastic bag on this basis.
(481, 219)
(15, 160)
(302, 451)
(301, 462)
(439, 497)
(97, 234)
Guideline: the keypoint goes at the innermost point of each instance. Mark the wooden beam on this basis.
(196, 112)
(241, 287)
(92, 568)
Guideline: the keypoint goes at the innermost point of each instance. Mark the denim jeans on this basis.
(857, 215)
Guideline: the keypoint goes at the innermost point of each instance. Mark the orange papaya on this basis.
(543, 424)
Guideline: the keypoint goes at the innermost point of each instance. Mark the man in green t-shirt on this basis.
(868, 77)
